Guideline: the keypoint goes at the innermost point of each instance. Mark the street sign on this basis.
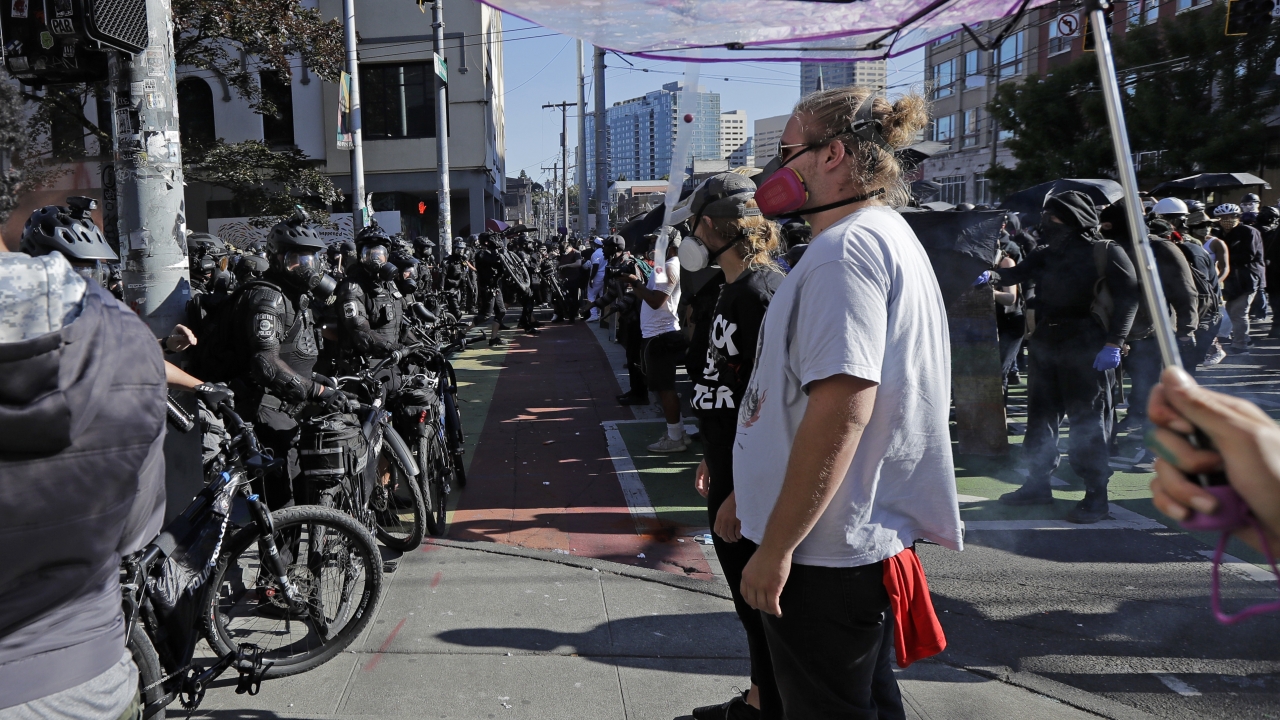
(442, 68)
(1068, 24)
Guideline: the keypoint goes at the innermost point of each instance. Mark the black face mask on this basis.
(1056, 235)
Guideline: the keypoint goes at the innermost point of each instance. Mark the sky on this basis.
(539, 66)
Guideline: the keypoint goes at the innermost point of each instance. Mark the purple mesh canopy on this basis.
(760, 30)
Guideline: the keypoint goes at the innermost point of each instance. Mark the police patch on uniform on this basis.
(349, 309)
(264, 325)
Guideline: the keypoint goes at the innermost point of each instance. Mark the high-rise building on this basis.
(733, 135)
(768, 131)
(641, 132)
(834, 75)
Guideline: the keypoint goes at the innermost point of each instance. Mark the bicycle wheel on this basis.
(436, 483)
(151, 690)
(397, 506)
(453, 428)
(333, 563)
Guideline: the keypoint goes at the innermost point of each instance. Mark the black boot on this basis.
(634, 398)
(1091, 509)
(1033, 492)
(735, 709)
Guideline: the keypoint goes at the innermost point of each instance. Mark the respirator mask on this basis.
(303, 267)
(374, 257)
(785, 192)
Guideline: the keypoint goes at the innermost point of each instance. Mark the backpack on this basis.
(220, 355)
(1103, 304)
(1209, 301)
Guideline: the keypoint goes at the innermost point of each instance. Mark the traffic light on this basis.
(54, 42)
(1249, 17)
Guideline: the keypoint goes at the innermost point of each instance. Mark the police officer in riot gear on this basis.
(207, 261)
(453, 278)
(490, 273)
(283, 342)
(370, 305)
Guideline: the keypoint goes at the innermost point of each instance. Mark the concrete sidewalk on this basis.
(480, 630)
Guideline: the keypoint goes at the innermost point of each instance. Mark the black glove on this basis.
(213, 394)
(330, 397)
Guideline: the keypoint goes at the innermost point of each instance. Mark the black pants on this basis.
(1142, 365)
(633, 341)
(1010, 329)
(491, 304)
(1061, 382)
(526, 309)
(278, 432)
(831, 647)
(718, 436)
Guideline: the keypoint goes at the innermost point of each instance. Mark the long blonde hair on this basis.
(757, 239)
(826, 115)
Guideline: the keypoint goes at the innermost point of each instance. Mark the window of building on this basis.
(66, 129)
(952, 189)
(944, 39)
(277, 129)
(1057, 43)
(972, 122)
(944, 76)
(944, 128)
(982, 190)
(972, 63)
(1189, 4)
(195, 113)
(1150, 11)
(1009, 56)
(397, 101)
(1146, 12)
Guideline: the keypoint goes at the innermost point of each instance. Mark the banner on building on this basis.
(346, 133)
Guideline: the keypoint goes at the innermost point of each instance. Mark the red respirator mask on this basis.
(785, 193)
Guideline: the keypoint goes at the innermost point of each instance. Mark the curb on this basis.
(702, 587)
(1063, 693)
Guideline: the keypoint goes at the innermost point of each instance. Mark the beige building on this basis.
(768, 131)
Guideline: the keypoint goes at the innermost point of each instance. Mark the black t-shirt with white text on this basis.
(731, 343)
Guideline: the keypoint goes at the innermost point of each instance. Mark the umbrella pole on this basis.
(1152, 291)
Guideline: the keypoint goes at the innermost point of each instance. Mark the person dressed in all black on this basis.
(627, 308)
(1074, 350)
(453, 275)
(283, 342)
(1143, 362)
(528, 296)
(207, 261)
(729, 229)
(489, 275)
(370, 304)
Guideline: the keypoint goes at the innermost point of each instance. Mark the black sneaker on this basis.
(633, 399)
(735, 709)
(1033, 493)
(532, 331)
(497, 342)
(1091, 509)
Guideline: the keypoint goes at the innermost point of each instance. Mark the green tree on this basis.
(1191, 94)
(215, 35)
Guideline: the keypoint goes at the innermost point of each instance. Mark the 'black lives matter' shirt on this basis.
(731, 343)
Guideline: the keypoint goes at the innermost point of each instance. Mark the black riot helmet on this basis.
(68, 230)
(294, 248)
(373, 245)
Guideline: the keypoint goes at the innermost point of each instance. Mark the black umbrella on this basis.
(1212, 181)
(1028, 203)
(925, 190)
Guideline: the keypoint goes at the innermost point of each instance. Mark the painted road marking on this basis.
(642, 512)
(1247, 569)
(1121, 519)
(1178, 686)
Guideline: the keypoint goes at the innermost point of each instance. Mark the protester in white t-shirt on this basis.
(843, 456)
(663, 346)
(595, 283)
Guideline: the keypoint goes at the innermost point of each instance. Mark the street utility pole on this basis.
(602, 150)
(581, 157)
(147, 152)
(359, 213)
(444, 218)
(564, 156)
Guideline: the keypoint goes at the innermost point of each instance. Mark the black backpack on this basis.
(1209, 301)
(220, 354)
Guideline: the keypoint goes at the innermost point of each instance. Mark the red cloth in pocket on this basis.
(917, 634)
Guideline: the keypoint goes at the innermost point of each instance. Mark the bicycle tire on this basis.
(403, 524)
(358, 596)
(435, 486)
(453, 428)
(151, 691)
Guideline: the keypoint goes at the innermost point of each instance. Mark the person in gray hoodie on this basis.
(82, 412)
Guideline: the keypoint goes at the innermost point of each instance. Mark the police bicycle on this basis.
(358, 463)
(274, 594)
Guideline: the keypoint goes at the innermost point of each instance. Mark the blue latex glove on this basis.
(983, 279)
(1108, 358)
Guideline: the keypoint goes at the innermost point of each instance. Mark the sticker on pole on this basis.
(1067, 25)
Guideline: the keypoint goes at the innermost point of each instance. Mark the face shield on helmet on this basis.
(93, 271)
(374, 256)
(303, 265)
